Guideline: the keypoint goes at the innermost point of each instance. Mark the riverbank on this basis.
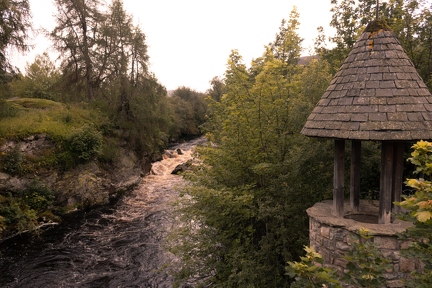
(116, 245)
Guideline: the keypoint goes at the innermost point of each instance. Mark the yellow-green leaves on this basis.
(422, 157)
(420, 204)
(423, 216)
(419, 211)
(310, 273)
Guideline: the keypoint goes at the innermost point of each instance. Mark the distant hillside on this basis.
(304, 60)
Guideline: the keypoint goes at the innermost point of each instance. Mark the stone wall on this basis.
(333, 237)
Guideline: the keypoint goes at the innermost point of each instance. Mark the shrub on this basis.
(310, 272)
(24, 210)
(12, 162)
(37, 197)
(84, 144)
(7, 109)
(17, 217)
(109, 151)
(365, 267)
(419, 212)
(366, 264)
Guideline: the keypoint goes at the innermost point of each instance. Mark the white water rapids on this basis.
(118, 246)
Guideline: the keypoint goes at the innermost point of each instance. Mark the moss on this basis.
(35, 103)
(377, 25)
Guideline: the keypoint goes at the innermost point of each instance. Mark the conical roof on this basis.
(377, 94)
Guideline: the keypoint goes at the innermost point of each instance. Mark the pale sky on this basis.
(189, 41)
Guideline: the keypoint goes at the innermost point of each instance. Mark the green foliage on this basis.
(7, 110)
(39, 116)
(410, 20)
(37, 197)
(17, 217)
(40, 80)
(109, 151)
(35, 103)
(14, 26)
(366, 266)
(25, 210)
(310, 272)
(244, 212)
(144, 117)
(12, 162)
(84, 144)
(419, 211)
(217, 89)
(190, 110)
(72, 129)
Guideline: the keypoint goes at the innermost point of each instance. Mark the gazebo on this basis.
(377, 95)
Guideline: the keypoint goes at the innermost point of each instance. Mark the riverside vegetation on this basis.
(243, 215)
(80, 134)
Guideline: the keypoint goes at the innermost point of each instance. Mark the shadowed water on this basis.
(117, 246)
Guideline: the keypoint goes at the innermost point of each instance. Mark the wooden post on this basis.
(355, 175)
(398, 174)
(338, 178)
(386, 182)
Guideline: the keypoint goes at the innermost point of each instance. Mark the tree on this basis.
(105, 56)
(39, 81)
(217, 89)
(410, 20)
(244, 212)
(14, 27)
(75, 38)
(190, 108)
(349, 19)
(287, 44)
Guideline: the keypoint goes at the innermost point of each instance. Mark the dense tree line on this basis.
(103, 63)
(244, 211)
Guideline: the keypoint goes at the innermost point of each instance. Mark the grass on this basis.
(34, 103)
(35, 116)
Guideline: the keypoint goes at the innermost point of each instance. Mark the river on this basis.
(116, 246)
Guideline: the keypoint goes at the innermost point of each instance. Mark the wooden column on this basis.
(386, 182)
(355, 175)
(338, 178)
(397, 174)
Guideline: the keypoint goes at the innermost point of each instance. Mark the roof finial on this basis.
(377, 7)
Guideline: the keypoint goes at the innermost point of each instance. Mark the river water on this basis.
(116, 246)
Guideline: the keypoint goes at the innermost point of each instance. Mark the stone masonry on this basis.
(333, 237)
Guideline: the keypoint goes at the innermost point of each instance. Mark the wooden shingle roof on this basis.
(377, 94)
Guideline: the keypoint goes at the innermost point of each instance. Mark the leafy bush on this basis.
(7, 110)
(310, 272)
(109, 151)
(12, 162)
(17, 217)
(419, 207)
(365, 267)
(25, 210)
(365, 263)
(85, 143)
(64, 159)
(37, 197)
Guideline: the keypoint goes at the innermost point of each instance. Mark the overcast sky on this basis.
(189, 41)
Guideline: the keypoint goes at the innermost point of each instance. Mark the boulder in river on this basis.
(182, 167)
